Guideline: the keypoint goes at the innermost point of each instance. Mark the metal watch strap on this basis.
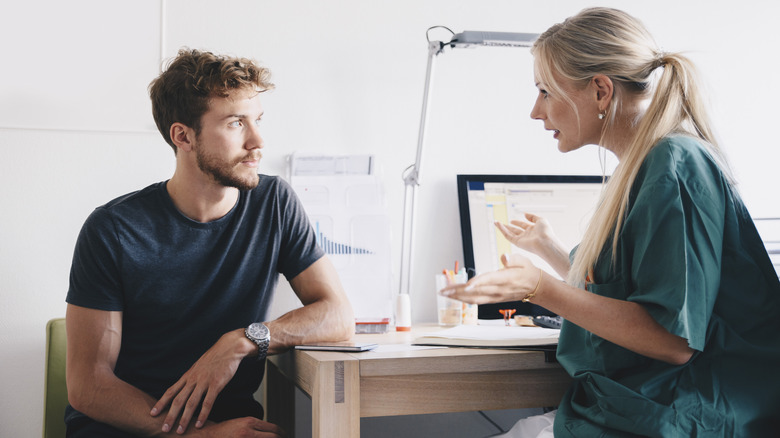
(263, 346)
(262, 342)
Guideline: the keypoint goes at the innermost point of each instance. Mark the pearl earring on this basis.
(602, 115)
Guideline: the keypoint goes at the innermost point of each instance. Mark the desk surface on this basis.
(397, 380)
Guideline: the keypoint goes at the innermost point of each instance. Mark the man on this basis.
(170, 285)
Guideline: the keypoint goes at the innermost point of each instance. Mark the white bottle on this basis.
(403, 313)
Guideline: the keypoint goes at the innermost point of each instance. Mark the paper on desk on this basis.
(490, 336)
(392, 348)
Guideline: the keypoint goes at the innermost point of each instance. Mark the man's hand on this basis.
(245, 427)
(199, 386)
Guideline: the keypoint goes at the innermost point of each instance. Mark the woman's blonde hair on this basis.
(613, 43)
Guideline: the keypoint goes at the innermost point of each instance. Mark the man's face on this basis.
(227, 149)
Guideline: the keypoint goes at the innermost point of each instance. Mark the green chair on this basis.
(55, 393)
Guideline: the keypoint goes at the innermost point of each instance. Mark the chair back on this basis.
(55, 391)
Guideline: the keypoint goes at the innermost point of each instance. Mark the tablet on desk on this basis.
(338, 346)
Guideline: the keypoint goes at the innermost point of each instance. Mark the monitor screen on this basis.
(567, 202)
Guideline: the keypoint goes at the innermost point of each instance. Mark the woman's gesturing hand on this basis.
(536, 235)
(517, 280)
(533, 234)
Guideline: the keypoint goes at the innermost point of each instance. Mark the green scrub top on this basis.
(690, 254)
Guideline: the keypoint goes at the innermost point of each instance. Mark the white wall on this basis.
(75, 129)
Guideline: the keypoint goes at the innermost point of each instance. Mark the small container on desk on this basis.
(372, 325)
(453, 312)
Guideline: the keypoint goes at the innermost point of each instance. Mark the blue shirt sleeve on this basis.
(299, 249)
(94, 276)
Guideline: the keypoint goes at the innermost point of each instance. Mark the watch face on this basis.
(257, 331)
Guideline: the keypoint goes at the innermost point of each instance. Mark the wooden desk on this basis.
(346, 386)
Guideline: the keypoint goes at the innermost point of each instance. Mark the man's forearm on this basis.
(326, 314)
(109, 400)
(316, 322)
(127, 408)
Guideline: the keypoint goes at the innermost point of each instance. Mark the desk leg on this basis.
(280, 399)
(335, 400)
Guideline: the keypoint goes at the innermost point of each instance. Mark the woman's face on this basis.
(575, 121)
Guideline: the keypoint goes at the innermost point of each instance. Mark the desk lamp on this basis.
(411, 175)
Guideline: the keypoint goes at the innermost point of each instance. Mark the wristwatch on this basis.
(258, 333)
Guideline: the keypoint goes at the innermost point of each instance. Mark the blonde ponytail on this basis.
(611, 42)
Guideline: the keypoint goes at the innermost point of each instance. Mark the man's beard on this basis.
(223, 172)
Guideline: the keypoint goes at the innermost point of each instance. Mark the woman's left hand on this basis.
(516, 281)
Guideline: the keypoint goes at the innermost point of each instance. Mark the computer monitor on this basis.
(566, 201)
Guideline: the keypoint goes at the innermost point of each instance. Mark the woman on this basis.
(671, 304)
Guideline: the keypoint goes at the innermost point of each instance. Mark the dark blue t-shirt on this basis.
(181, 284)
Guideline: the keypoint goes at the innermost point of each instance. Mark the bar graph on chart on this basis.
(335, 248)
(344, 200)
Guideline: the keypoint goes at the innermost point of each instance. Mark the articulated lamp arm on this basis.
(412, 174)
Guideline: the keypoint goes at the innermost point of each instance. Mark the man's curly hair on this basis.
(182, 92)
